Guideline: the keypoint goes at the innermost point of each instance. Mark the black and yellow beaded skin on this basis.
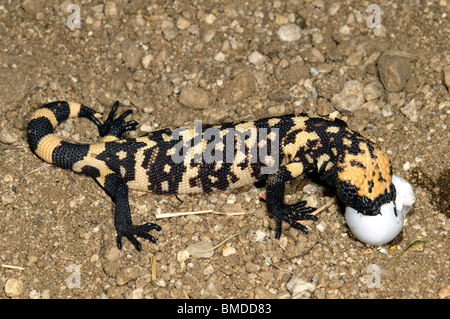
(218, 157)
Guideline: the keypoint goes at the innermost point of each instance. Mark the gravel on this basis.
(289, 32)
(394, 72)
(373, 90)
(13, 287)
(176, 62)
(256, 58)
(32, 7)
(195, 98)
(300, 288)
(350, 98)
(411, 111)
(241, 87)
(447, 77)
(126, 275)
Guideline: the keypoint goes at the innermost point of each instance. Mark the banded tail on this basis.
(45, 144)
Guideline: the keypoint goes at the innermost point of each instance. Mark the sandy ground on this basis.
(245, 60)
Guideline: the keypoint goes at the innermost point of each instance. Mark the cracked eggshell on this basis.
(382, 228)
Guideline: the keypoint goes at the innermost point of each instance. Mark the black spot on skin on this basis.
(371, 184)
(356, 163)
(312, 143)
(147, 156)
(290, 138)
(233, 178)
(193, 181)
(371, 149)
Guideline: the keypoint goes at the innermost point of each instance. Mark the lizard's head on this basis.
(364, 178)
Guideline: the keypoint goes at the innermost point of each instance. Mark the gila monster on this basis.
(271, 151)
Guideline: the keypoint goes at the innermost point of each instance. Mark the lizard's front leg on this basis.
(275, 199)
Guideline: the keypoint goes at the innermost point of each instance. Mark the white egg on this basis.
(382, 228)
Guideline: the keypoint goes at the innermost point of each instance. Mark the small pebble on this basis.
(257, 58)
(33, 6)
(280, 19)
(299, 288)
(333, 8)
(8, 137)
(210, 18)
(127, 274)
(111, 253)
(242, 86)
(220, 57)
(13, 287)
(373, 90)
(394, 72)
(289, 32)
(111, 9)
(168, 30)
(258, 235)
(406, 166)
(447, 77)
(335, 283)
(296, 72)
(227, 251)
(208, 271)
(130, 54)
(380, 32)
(350, 98)
(387, 110)
(137, 293)
(283, 242)
(444, 292)
(345, 30)
(263, 293)
(183, 255)
(45, 294)
(146, 128)
(411, 111)
(160, 283)
(231, 199)
(8, 178)
(183, 24)
(193, 97)
(232, 209)
(324, 68)
(321, 226)
(208, 35)
(34, 294)
(146, 61)
(356, 58)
